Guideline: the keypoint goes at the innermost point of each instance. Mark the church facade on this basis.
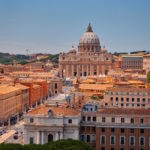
(90, 59)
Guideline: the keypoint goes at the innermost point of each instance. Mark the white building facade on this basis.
(41, 128)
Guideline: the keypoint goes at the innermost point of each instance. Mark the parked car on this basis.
(15, 136)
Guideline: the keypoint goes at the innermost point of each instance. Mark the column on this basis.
(56, 136)
(61, 135)
(97, 67)
(91, 70)
(87, 73)
(42, 139)
(37, 138)
(103, 69)
(72, 70)
(82, 70)
(78, 71)
(67, 70)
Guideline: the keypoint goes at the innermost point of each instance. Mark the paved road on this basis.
(8, 137)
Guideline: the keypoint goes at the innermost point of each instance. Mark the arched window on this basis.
(50, 137)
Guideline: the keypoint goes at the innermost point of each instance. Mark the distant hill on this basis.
(6, 58)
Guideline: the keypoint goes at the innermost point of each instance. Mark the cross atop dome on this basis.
(89, 28)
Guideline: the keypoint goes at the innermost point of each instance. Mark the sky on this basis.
(53, 26)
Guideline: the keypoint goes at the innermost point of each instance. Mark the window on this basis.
(103, 139)
(122, 140)
(112, 129)
(132, 99)
(93, 138)
(103, 119)
(117, 99)
(127, 99)
(131, 130)
(143, 99)
(112, 140)
(82, 128)
(87, 128)
(141, 141)
(111, 98)
(141, 130)
(94, 118)
(89, 118)
(31, 140)
(122, 99)
(83, 118)
(88, 138)
(142, 120)
(132, 120)
(103, 129)
(132, 140)
(55, 85)
(82, 138)
(122, 130)
(93, 129)
(122, 120)
(31, 120)
(69, 120)
(138, 99)
(122, 105)
(112, 119)
(138, 105)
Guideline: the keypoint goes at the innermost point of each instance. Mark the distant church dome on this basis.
(72, 50)
(89, 37)
(89, 42)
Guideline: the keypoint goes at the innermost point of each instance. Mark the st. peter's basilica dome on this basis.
(89, 37)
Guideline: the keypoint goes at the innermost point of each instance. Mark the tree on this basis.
(148, 77)
(57, 145)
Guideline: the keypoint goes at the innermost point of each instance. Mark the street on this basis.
(15, 130)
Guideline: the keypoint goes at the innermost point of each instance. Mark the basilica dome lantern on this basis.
(89, 43)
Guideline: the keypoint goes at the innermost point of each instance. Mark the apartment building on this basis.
(127, 97)
(10, 102)
(132, 62)
(115, 128)
(24, 96)
(35, 92)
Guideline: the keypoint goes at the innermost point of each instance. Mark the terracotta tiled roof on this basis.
(43, 110)
(127, 89)
(124, 111)
(8, 89)
(22, 87)
(94, 86)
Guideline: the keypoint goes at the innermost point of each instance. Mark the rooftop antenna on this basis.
(27, 50)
